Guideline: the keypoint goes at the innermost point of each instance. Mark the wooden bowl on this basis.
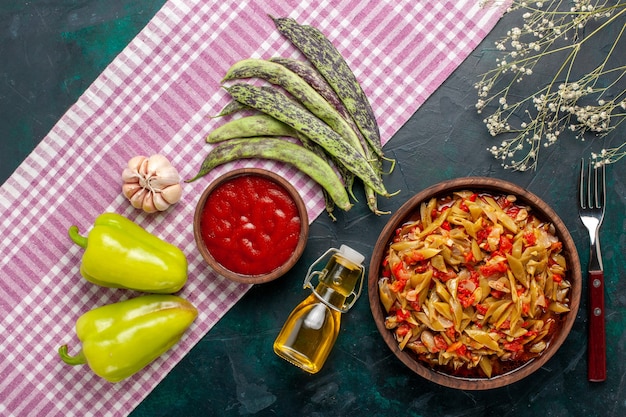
(258, 219)
(496, 187)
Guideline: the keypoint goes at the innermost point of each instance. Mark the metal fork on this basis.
(592, 199)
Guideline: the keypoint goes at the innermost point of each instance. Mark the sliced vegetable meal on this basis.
(475, 285)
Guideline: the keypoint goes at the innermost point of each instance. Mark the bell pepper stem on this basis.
(77, 237)
(79, 359)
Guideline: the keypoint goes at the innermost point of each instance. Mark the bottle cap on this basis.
(351, 255)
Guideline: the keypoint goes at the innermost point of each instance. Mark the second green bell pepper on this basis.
(120, 339)
(121, 254)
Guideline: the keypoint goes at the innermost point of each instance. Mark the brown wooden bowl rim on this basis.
(304, 226)
(494, 185)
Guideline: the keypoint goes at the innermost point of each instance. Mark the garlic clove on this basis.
(159, 202)
(130, 188)
(156, 162)
(136, 200)
(143, 168)
(135, 162)
(164, 177)
(148, 203)
(130, 175)
(168, 172)
(172, 193)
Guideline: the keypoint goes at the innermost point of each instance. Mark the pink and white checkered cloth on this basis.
(156, 98)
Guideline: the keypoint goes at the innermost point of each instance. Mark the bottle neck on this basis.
(337, 282)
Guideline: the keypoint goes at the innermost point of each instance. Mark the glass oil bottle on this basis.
(311, 329)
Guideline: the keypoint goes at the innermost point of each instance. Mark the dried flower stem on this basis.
(592, 103)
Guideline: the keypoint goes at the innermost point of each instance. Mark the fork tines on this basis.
(592, 194)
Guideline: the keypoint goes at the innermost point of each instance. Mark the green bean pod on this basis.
(333, 67)
(344, 173)
(279, 150)
(234, 106)
(309, 74)
(278, 105)
(348, 88)
(319, 151)
(230, 108)
(303, 92)
(250, 126)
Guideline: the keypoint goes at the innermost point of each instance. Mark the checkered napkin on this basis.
(156, 97)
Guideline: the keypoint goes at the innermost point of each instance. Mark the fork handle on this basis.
(597, 336)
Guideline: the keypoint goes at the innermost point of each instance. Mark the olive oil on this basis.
(311, 329)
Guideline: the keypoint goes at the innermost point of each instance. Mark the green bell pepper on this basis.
(121, 254)
(120, 339)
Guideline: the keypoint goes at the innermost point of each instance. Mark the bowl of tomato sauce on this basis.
(474, 283)
(251, 225)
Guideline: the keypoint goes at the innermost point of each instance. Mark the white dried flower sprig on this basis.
(592, 103)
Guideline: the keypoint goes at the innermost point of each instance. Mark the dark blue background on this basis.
(50, 52)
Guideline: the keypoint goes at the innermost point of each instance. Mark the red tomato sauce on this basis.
(250, 224)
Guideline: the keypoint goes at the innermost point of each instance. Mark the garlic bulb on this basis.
(151, 184)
